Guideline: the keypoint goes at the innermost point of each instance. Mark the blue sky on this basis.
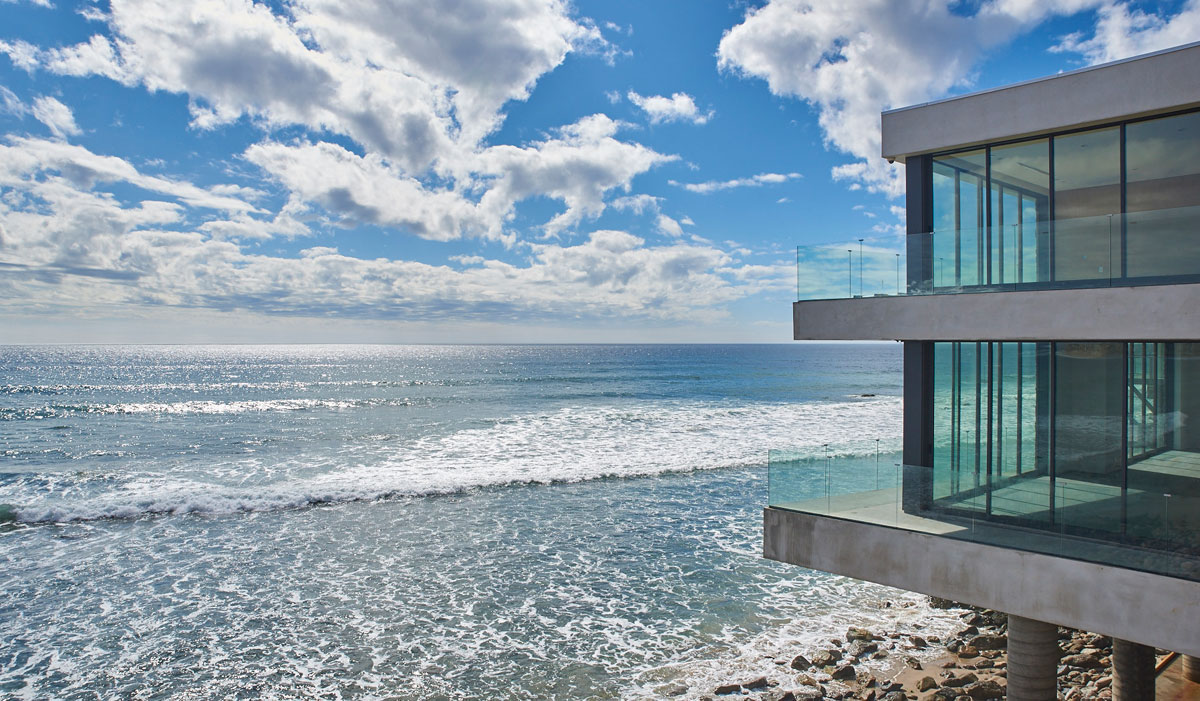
(475, 170)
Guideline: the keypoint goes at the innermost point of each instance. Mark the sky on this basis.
(473, 171)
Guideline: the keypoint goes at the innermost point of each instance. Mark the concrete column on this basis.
(1191, 668)
(1133, 671)
(1032, 660)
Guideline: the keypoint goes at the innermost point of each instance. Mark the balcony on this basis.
(1116, 250)
(1088, 278)
(912, 528)
(1154, 528)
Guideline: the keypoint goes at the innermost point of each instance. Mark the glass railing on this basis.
(1137, 248)
(1143, 529)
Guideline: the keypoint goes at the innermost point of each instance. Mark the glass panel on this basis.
(959, 205)
(1087, 188)
(1089, 408)
(1020, 208)
(1164, 467)
(1162, 171)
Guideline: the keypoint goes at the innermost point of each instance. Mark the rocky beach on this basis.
(970, 665)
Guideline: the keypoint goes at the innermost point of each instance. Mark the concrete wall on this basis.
(1144, 85)
(1135, 606)
(1153, 312)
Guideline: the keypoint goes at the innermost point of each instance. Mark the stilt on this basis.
(1032, 660)
(1133, 671)
(1191, 668)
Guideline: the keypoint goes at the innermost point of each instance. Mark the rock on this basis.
(967, 652)
(917, 641)
(927, 683)
(800, 662)
(913, 663)
(985, 690)
(936, 640)
(1083, 661)
(984, 664)
(937, 602)
(859, 634)
(990, 654)
(808, 695)
(861, 647)
(836, 641)
(954, 645)
(843, 672)
(868, 695)
(728, 689)
(968, 631)
(826, 658)
(959, 682)
(759, 683)
(894, 696)
(949, 664)
(943, 695)
(677, 690)
(1104, 682)
(985, 641)
(974, 619)
(865, 679)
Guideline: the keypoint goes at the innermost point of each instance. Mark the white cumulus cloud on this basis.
(679, 107)
(760, 179)
(56, 116)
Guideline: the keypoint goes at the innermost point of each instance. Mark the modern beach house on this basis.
(1050, 323)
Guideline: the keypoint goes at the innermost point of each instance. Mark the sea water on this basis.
(419, 521)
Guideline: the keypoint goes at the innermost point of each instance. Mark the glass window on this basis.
(1087, 204)
(1164, 446)
(1089, 410)
(959, 209)
(1020, 209)
(1162, 172)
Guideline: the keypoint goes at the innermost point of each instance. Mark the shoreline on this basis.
(969, 665)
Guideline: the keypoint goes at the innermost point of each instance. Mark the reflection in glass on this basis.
(1020, 187)
(1087, 189)
(1162, 171)
(959, 206)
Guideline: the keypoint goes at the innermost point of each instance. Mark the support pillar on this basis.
(1133, 671)
(1032, 660)
(1191, 668)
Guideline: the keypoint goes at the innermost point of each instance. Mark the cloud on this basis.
(668, 226)
(1122, 31)
(56, 116)
(578, 166)
(680, 107)
(847, 61)
(403, 78)
(752, 181)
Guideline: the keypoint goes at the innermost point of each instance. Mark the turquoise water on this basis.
(416, 522)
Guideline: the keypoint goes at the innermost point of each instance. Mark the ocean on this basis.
(419, 522)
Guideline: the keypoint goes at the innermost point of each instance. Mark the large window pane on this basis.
(1162, 171)
(1087, 204)
(959, 208)
(1089, 411)
(1020, 209)
(1164, 446)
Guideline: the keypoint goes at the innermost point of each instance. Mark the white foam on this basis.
(565, 445)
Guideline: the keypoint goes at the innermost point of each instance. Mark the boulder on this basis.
(987, 689)
(959, 682)
(987, 641)
(843, 672)
(927, 683)
(967, 652)
(728, 689)
(800, 662)
(1083, 661)
(913, 662)
(859, 634)
(826, 658)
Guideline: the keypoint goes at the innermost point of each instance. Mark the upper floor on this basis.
(1067, 186)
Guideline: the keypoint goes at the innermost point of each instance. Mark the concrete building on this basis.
(1051, 330)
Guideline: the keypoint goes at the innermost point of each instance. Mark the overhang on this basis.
(1151, 312)
(1145, 85)
(1150, 609)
